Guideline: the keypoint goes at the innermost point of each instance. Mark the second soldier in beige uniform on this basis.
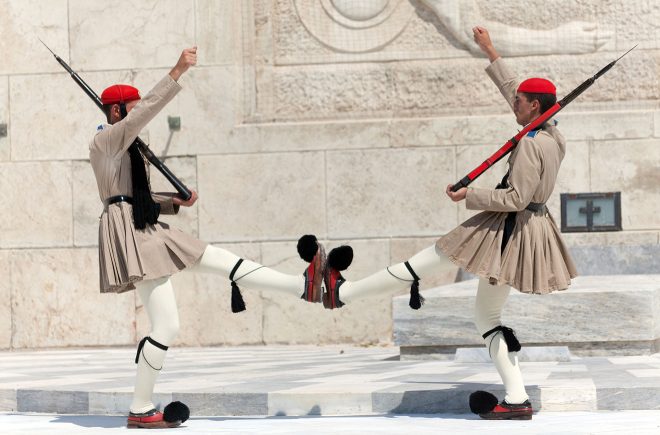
(513, 242)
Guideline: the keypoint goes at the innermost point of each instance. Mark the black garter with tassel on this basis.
(152, 341)
(416, 300)
(237, 302)
(509, 337)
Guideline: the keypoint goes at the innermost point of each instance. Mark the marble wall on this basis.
(341, 118)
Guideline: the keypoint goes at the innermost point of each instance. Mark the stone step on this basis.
(313, 381)
(597, 315)
(526, 354)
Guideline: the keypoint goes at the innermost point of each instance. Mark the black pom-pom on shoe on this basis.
(176, 411)
(340, 258)
(482, 402)
(307, 247)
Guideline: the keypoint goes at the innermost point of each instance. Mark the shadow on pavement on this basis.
(101, 421)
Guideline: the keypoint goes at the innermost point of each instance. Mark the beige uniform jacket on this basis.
(127, 255)
(535, 259)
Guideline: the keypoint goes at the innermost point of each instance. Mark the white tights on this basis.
(488, 313)
(488, 309)
(396, 278)
(158, 299)
(157, 296)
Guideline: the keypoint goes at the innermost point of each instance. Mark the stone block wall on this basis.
(302, 117)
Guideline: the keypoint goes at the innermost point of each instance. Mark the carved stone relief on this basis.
(373, 28)
(354, 27)
(332, 59)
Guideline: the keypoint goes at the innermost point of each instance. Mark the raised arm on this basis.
(505, 80)
(116, 139)
(122, 134)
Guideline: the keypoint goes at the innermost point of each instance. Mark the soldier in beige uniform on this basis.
(513, 242)
(138, 252)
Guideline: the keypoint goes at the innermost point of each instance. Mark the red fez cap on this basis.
(116, 94)
(537, 86)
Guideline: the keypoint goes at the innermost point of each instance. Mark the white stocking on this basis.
(488, 312)
(158, 299)
(397, 277)
(249, 274)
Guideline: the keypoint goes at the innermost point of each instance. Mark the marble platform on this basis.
(598, 315)
(306, 380)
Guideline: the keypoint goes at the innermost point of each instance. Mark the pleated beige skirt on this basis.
(127, 255)
(535, 259)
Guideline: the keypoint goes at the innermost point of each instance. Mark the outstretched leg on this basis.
(397, 277)
(248, 273)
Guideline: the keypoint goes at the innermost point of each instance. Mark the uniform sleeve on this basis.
(524, 179)
(167, 206)
(505, 80)
(115, 139)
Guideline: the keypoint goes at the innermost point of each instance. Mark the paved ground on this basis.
(544, 423)
(301, 381)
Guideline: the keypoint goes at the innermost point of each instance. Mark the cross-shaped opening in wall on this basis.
(588, 212)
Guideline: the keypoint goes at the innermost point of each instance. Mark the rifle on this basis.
(184, 192)
(545, 116)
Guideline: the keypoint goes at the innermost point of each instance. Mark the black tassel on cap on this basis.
(237, 302)
(145, 209)
(510, 338)
(416, 300)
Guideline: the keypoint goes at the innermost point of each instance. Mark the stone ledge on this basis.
(597, 315)
(296, 380)
(526, 354)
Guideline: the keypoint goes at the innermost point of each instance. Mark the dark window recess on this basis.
(588, 212)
